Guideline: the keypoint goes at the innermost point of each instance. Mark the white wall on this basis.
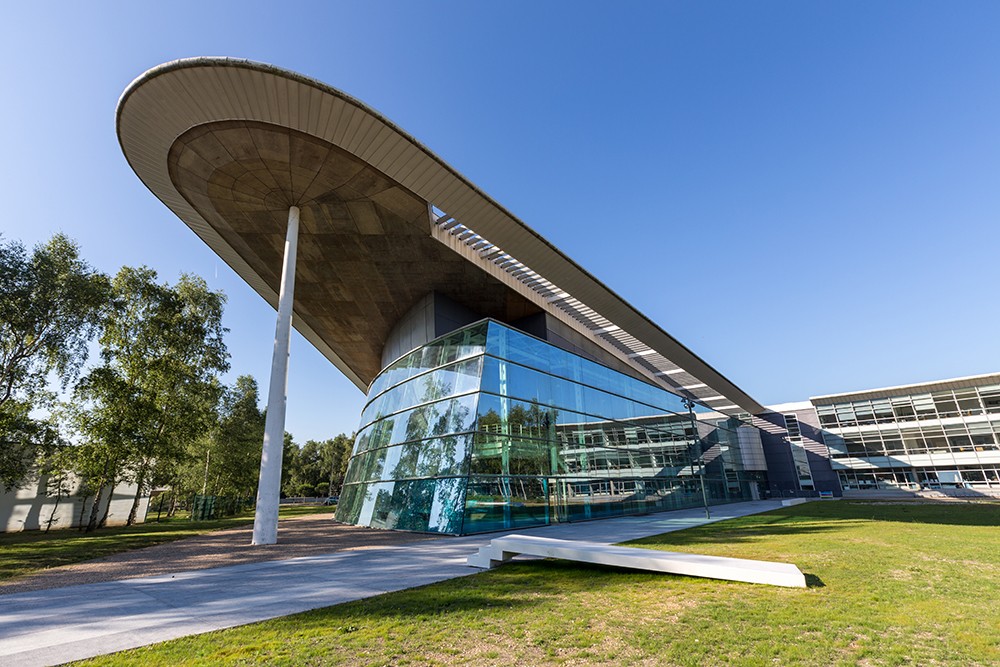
(28, 508)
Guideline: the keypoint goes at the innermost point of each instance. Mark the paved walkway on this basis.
(310, 535)
(53, 626)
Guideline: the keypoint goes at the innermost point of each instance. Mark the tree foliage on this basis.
(51, 302)
(23, 442)
(50, 305)
(152, 410)
(316, 463)
(156, 389)
(225, 461)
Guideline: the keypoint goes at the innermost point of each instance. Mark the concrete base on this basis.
(503, 549)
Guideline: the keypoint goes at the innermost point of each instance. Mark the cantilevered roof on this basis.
(228, 145)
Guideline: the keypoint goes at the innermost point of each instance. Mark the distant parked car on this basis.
(332, 500)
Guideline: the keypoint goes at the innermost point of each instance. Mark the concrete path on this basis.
(49, 627)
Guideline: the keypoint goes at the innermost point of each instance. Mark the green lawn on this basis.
(31, 551)
(890, 584)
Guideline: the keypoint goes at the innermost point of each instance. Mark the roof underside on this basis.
(229, 145)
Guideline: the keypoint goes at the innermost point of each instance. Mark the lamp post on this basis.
(689, 404)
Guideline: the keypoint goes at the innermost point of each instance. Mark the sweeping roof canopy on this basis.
(229, 145)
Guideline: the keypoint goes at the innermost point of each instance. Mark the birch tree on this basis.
(51, 303)
(162, 350)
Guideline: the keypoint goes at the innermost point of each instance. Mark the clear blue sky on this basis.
(807, 194)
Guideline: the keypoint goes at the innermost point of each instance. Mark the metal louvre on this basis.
(679, 380)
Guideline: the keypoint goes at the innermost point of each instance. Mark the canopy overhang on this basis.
(229, 144)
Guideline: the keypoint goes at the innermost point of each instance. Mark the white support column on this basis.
(265, 522)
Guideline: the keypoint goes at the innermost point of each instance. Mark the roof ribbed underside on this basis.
(170, 100)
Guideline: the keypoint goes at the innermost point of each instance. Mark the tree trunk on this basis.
(140, 481)
(95, 509)
(83, 512)
(107, 509)
(55, 508)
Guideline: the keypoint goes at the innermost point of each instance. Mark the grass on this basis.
(890, 584)
(28, 552)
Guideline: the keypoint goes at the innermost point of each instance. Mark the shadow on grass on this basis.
(824, 518)
(745, 529)
(945, 513)
(813, 581)
(485, 597)
(951, 513)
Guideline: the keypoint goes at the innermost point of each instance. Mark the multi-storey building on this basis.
(943, 434)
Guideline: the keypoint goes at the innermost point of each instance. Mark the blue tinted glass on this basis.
(454, 379)
(497, 337)
(525, 384)
(491, 375)
(595, 375)
(457, 345)
(566, 365)
(529, 351)
(566, 395)
(495, 503)
(557, 437)
(489, 411)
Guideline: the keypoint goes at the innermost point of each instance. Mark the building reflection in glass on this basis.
(489, 428)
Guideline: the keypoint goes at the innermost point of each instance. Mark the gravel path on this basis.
(310, 535)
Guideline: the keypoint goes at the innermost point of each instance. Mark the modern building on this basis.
(489, 428)
(936, 435)
(941, 436)
(506, 385)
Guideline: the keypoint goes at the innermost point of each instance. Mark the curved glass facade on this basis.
(489, 428)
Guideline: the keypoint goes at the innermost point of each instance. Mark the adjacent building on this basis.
(43, 502)
(935, 435)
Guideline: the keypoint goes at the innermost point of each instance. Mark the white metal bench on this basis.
(503, 549)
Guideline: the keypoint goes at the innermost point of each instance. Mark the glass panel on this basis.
(835, 443)
(454, 379)
(426, 505)
(970, 405)
(903, 408)
(883, 411)
(864, 413)
(440, 457)
(991, 398)
(944, 401)
(584, 442)
(500, 503)
(893, 444)
(505, 455)
(924, 406)
(349, 506)
(452, 347)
